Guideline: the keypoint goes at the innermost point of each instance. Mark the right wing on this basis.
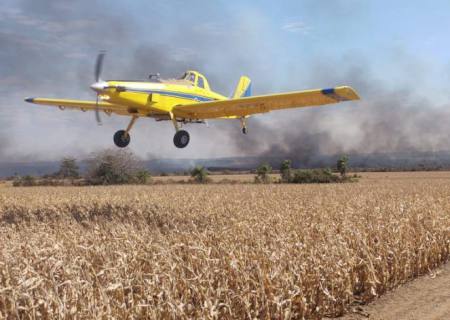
(242, 107)
(82, 105)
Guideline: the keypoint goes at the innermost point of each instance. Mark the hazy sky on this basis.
(395, 53)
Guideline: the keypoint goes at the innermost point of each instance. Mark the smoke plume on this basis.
(49, 48)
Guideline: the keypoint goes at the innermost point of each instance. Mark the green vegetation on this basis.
(200, 174)
(286, 171)
(116, 167)
(288, 175)
(314, 176)
(68, 169)
(142, 177)
(25, 181)
(342, 165)
(262, 173)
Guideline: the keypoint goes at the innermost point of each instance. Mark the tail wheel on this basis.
(181, 139)
(121, 138)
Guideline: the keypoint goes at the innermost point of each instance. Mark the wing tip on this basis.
(340, 94)
(350, 92)
(29, 100)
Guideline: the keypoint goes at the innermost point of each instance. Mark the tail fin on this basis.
(243, 89)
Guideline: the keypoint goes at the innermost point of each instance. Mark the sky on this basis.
(395, 54)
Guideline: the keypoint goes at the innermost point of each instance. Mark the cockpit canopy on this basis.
(196, 78)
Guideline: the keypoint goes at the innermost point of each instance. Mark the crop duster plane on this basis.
(188, 99)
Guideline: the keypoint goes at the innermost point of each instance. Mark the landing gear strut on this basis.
(122, 137)
(181, 138)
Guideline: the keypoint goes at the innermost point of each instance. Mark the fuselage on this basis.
(157, 98)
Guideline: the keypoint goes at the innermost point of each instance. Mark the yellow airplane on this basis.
(188, 99)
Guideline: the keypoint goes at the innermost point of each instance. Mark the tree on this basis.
(342, 165)
(286, 171)
(113, 167)
(262, 173)
(200, 174)
(68, 169)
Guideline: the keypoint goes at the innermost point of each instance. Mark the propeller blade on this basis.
(99, 65)
(97, 113)
(98, 72)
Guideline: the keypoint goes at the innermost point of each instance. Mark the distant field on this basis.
(218, 251)
(5, 184)
(369, 177)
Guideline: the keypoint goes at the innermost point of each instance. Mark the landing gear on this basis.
(121, 138)
(244, 125)
(181, 139)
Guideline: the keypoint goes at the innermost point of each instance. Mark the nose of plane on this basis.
(99, 86)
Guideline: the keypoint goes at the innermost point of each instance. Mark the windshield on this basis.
(189, 76)
(201, 82)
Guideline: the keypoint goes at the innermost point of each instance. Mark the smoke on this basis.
(386, 120)
(49, 48)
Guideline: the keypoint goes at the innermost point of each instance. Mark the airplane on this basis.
(188, 99)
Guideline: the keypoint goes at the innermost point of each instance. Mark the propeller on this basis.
(97, 112)
(98, 85)
(99, 65)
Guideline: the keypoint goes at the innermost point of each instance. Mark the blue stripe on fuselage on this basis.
(174, 94)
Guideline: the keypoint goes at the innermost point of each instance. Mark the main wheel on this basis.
(181, 139)
(244, 130)
(121, 139)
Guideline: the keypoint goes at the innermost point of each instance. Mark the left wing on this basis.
(260, 104)
(81, 105)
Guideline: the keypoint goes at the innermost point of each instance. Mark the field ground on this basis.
(225, 250)
(427, 298)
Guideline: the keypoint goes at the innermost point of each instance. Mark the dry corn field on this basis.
(217, 251)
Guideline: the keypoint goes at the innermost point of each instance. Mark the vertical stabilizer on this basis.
(243, 89)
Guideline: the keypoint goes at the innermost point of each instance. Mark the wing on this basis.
(81, 105)
(260, 104)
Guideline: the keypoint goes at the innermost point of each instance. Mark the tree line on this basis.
(291, 175)
(106, 167)
(112, 167)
